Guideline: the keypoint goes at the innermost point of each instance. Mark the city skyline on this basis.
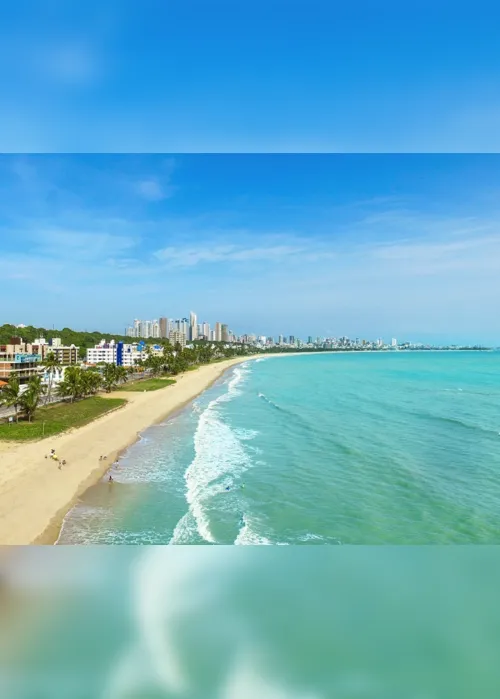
(361, 246)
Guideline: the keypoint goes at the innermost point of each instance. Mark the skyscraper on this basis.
(145, 328)
(206, 330)
(193, 326)
(218, 332)
(185, 328)
(225, 332)
(164, 329)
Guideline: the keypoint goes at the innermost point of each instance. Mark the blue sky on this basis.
(260, 76)
(404, 246)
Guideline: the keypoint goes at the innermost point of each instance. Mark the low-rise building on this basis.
(66, 354)
(19, 359)
(118, 353)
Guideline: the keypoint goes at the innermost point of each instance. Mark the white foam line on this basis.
(218, 453)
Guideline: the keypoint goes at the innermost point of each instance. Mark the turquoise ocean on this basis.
(344, 448)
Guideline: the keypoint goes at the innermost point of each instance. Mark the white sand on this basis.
(35, 495)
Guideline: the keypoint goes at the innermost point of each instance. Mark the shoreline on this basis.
(35, 496)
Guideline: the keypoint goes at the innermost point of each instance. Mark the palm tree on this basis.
(90, 382)
(121, 374)
(51, 364)
(71, 386)
(10, 396)
(30, 398)
(111, 376)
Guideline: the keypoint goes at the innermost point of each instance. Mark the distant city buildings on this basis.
(193, 326)
(188, 330)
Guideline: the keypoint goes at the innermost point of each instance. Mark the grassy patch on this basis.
(146, 385)
(58, 418)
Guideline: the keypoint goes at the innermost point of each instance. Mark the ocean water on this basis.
(389, 448)
(250, 622)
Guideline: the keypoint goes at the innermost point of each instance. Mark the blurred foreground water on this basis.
(250, 622)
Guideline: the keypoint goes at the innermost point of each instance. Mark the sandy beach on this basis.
(35, 495)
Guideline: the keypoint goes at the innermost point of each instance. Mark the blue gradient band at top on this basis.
(270, 75)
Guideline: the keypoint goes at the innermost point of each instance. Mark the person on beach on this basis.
(110, 479)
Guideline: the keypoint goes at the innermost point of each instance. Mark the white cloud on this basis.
(152, 190)
(189, 256)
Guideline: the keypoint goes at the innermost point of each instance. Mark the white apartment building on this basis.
(193, 326)
(115, 353)
(176, 336)
(98, 354)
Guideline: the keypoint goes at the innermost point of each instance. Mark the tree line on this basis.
(82, 382)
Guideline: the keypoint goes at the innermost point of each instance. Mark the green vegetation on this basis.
(11, 396)
(112, 375)
(174, 360)
(79, 383)
(54, 419)
(51, 364)
(148, 385)
(83, 340)
(31, 397)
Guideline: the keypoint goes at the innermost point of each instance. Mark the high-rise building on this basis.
(280, 340)
(224, 332)
(310, 340)
(218, 332)
(185, 328)
(164, 327)
(292, 340)
(394, 342)
(206, 330)
(212, 336)
(155, 328)
(193, 326)
(145, 329)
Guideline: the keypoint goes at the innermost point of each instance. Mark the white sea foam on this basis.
(247, 535)
(311, 537)
(219, 457)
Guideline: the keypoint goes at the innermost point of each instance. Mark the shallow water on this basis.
(399, 448)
